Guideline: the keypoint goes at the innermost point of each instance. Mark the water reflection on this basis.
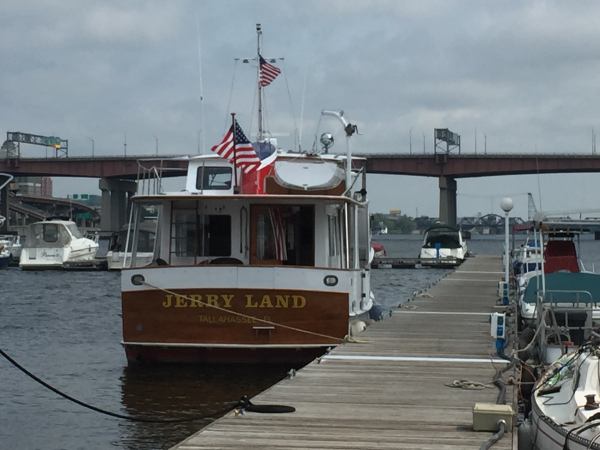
(183, 392)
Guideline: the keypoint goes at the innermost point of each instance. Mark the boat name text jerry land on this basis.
(224, 301)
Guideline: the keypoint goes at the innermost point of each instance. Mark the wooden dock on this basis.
(390, 390)
(412, 263)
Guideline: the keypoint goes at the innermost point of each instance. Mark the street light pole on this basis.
(92, 146)
(507, 205)
(156, 145)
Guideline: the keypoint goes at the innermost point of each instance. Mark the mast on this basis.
(260, 135)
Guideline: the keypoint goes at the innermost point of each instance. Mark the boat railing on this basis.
(149, 179)
(566, 320)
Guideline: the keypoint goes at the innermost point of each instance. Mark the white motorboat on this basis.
(13, 243)
(117, 257)
(51, 243)
(565, 413)
(5, 256)
(442, 241)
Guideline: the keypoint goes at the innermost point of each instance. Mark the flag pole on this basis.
(236, 188)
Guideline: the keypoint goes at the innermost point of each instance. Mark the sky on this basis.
(508, 77)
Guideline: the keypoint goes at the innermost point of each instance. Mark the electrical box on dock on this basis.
(502, 289)
(487, 415)
(498, 325)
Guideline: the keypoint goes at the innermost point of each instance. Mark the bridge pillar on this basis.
(115, 203)
(447, 200)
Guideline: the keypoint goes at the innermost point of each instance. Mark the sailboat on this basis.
(257, 260)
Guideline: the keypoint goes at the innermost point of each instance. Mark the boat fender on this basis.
(357, 327)
(244, 404)
(376, 312)
(525, 436)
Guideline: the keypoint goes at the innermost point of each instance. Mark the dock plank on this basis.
(390, 389)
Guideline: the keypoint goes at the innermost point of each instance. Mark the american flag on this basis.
(244, 154)
(267, 72)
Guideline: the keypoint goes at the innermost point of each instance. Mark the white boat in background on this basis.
(117, 257)
(5, 256)
(51, 243)
(443, 241)
(13, 243)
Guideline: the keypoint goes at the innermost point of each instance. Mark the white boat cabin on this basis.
(293, 212)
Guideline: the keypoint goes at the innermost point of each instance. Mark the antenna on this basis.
(201, 90)
(302, 109)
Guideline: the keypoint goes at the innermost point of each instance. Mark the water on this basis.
(65, 327)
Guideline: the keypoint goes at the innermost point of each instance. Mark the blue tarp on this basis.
(565, 281)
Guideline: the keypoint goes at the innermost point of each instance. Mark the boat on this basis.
(256, 260)
(13, 243)
(5, 256)
(378, 250)
(54, 242)
(380, 228)
(545, 270)
(117, 257)
(559, 346)
(443, 244)
(565, 413)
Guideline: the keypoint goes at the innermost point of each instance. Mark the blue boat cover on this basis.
(565, 281)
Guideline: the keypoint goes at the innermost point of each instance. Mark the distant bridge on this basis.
(447, 167)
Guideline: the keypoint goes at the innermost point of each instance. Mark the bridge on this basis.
(118, 174)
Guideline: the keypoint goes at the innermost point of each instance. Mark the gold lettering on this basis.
(227, 299)
(180, 302)
(299, 301)
(167, 302)
(283, 301)
(249, 303)
(212, 299)
(266, 302)
(267, 318)
(196, 301)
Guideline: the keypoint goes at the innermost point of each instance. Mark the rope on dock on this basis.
(468, 384)
(109, 413)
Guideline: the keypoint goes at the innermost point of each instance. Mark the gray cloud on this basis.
(523, 74)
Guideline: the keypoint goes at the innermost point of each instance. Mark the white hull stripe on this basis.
(414, 358)
(211, 345)
(445, 313)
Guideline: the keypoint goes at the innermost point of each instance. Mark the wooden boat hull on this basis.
(232, 325)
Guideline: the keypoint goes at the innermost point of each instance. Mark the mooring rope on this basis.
(109, 413)
(341, 340)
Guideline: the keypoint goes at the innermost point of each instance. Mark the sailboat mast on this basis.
(260, 88)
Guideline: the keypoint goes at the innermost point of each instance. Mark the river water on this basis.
(65, 327)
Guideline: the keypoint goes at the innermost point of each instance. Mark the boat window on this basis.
(334, 235)
(214, 235)
(183, 233)
(50, 232)
(214, 178)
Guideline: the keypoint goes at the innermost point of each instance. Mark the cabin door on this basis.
(282, 235)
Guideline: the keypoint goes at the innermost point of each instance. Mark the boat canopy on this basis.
(51, 234)
(564, 287)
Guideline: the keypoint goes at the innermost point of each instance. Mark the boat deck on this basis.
(389, 390)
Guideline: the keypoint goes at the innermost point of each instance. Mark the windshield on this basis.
(74, 231)
(214, 178)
